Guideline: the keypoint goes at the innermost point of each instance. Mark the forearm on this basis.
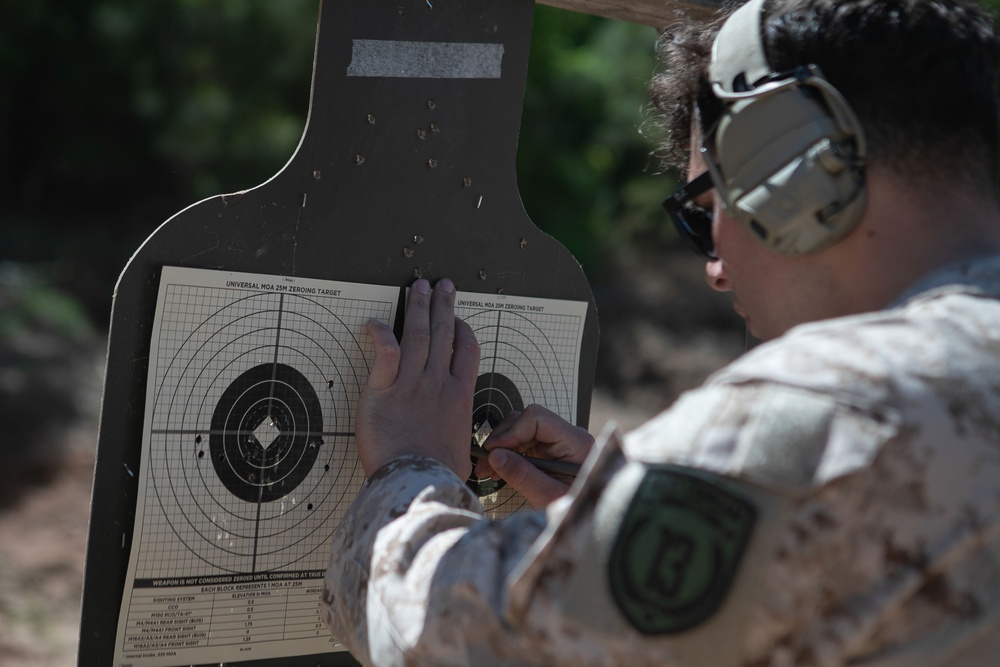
(419, 577)
(416, 571)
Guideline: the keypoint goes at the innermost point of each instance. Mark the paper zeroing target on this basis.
(529, 354)
(252, 458)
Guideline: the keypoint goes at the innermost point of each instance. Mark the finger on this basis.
(386, 364)
(535, 425)
(497, 436)
(482, 469)
(533, 484)
(465, 359)
(442, 326)
(545, 427)
(416, 330)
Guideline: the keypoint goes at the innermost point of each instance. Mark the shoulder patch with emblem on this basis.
(678, 547)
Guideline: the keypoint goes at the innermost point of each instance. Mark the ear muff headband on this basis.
(787, 156)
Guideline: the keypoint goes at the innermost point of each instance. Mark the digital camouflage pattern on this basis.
(866, 448)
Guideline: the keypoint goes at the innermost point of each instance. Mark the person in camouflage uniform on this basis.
(832, 497)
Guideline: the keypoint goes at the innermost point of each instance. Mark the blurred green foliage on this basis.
(212, 92)
(29, 304)
(222, 86)
(116, 114)
(584, 170)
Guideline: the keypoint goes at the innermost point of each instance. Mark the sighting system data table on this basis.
(248, 460)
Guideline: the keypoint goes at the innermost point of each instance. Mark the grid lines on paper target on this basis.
(251, 453)
(537, 353)
(525, 358)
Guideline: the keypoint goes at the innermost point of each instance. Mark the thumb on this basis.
(526, 479)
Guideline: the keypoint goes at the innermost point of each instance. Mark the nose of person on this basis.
(715, 274)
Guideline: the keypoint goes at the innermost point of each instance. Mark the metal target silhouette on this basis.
(236, 348)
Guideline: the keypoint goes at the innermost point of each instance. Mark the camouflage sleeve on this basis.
(797, 510)
(628, 568)
(756, 524)
(877, 534)
(416, 570)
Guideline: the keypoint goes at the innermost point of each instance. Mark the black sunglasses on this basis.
(693, 222)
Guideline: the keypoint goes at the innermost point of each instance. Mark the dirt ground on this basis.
(43, 537)
(662, 332)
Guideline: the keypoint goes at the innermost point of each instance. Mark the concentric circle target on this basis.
(266, 433)
(252, 457)
(523, 360)
(495, 397)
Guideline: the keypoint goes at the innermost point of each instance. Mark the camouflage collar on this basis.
(980, 277)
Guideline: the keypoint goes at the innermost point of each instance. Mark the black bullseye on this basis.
(266, 433)
(494, 398)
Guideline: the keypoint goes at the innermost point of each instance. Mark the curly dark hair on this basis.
(680, 86)
(920, 74)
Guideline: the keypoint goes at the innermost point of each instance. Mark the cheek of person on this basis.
(771, 292)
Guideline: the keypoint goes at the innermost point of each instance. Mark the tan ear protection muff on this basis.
(787, 156)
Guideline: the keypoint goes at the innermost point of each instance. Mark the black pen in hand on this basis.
(564, 468)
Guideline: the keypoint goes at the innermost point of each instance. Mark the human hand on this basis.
(539, 433)
(418, 398)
